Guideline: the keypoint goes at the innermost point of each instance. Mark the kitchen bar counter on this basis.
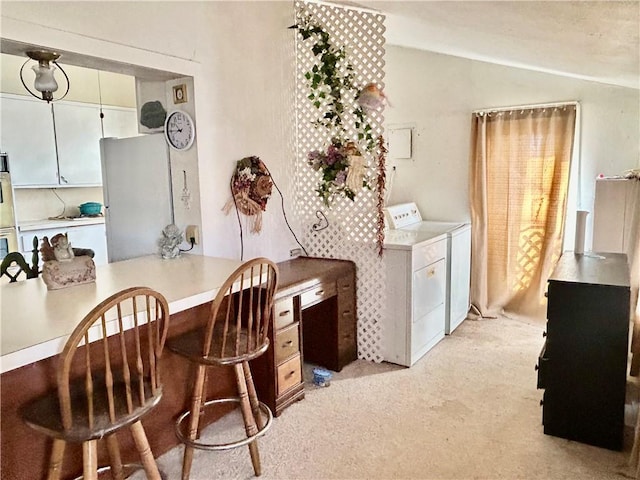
(35, 323)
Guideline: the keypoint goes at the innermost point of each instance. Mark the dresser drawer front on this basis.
(286, 343)
(283, 313)
(289, 374)
(319, 293)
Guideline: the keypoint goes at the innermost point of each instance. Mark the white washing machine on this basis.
(428, 268)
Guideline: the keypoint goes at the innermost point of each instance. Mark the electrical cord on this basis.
(238, 216)
(193, 244)
(284, 214)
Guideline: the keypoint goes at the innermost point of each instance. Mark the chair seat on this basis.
(43, 413)
(189, 345)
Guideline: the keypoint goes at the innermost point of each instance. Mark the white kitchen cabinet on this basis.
(59, 147)
(119, 122)
(27, 135)
(78, 133)
(82, 236)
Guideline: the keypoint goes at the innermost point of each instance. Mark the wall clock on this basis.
(179, 130)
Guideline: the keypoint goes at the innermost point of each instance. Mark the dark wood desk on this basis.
(315, 321)
(318, 294)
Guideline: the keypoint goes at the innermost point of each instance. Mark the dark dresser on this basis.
(583, 364)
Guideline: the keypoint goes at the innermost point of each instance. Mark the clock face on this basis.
(179, 130)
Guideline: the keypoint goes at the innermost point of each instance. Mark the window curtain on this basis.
(520, 163)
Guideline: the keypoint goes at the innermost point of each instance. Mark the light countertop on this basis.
(32, 225)
(35, 322)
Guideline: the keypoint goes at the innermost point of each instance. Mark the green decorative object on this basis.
(153, 114)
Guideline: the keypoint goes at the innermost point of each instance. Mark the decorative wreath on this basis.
(250, 189)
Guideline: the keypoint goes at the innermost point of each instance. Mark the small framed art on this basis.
(180, 93)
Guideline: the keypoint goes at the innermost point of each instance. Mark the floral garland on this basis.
(343, 170)
(341, 164)
(250, 189)
(382, 158)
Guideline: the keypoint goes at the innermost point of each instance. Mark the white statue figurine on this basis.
(170, 240)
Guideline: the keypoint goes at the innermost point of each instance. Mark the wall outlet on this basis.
(295, 252)
(192, 235)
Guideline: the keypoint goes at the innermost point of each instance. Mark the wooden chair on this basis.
(14, 264)
(235, 332)
(109, 385)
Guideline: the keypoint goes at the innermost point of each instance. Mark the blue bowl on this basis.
(322, 377)
(90, 208)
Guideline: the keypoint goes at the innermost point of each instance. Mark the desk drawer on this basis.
(289, 374)
(319, 293)
(286, 343)
(283, 313)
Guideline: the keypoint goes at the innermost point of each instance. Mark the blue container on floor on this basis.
(321, 377)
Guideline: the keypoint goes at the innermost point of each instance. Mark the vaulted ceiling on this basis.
(592, 40)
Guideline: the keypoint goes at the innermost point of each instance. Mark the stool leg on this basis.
(55, 464)
(194, 419)
(253, 396)
(142, 444)
(90, 460)
(114, 457)
(249, 421)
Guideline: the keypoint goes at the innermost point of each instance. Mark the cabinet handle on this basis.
(286, 312)
(544, 334)
(346, 312)
(537, 367)
(287, 343)
(288, 375)
(319, 292)
(541, 402)
(63, 179)
(431, 272)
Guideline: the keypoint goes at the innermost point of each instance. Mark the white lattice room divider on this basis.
(352, 229)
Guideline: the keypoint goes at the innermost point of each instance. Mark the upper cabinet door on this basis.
(78, 133)
(27, 135)
(120, 122)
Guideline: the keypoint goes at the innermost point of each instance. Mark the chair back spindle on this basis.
(119, 382)
(238, 326)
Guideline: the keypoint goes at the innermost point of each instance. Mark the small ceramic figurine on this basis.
(170, 240)
(62, 250)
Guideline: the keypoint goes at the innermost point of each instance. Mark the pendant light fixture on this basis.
(45, 82)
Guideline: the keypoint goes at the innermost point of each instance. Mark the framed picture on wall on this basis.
(180, 93)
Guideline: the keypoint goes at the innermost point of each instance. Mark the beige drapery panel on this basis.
(520, 163)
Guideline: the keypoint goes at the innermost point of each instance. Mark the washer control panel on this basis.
(401, 215)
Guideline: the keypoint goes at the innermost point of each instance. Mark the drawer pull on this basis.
(320, 292)
(287, 343)
(290, 374)
(431, 273)
(346, 312)
(285, 313)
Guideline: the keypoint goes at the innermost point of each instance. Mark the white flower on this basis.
(245, 173)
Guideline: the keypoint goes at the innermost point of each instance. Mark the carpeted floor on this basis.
(469, 409)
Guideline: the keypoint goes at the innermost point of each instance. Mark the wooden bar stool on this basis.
(109, 385)
(235, 332)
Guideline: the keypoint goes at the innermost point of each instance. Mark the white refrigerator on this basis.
(136, 178)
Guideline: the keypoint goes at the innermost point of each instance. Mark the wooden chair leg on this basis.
(194, 419)
(55, 463)
(90, 460)
(115, 459)
(249, 421)
(253, 396)
(142, 444)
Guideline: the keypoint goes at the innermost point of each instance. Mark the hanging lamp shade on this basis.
(45, 83)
